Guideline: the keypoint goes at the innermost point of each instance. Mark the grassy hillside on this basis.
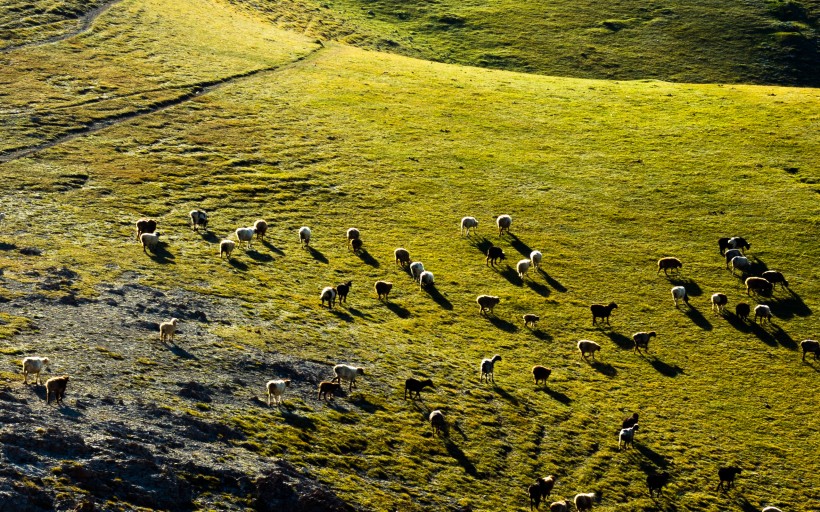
(603, 177)
(771, 41)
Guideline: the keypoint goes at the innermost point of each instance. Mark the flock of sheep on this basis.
(731, 248)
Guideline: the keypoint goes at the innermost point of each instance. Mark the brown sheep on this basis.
(810, 346)
(630, 421)
(530, 320)
(727, 475)
(641, 340)
(742, 310)
(667, 264)
(541, 373)
(57, 386)
(261, 228)
(383, 289)
(342, 290)
(602, 311)
(328, 389)
(540, 490)
(759, 286)
(146, 226)
(487, 303)
(402, 257)
(494, 254)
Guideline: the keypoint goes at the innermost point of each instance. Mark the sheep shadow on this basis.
(516, 243)
(511, 275)
(504, 394)
(272, 247)
(604, 368)
(745, 505)
(538, 288)
(663, 368)
(357, 313)
(657, 460)
(258, 256)
(552, 281)
(181, 352)
(397, 310)
(757, 266)
(482, 244)
(316, 255)
(774, 336)
(438, 298)
(209, 237)
(342, 315)
(297, 420)
(624, 342)
(238, 265)
(366, 405)
(555, 395)
(693, 289)
(502, 324)
(455, 452)
(790, 307)
(69, 412)
(737, 322)
(698, 318)
(541, 335)
(160, 254)
(367, 258)
(5, 246)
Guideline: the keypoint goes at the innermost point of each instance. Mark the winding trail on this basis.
(86, 21)
(195, 90)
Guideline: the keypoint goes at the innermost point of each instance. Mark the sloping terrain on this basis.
(603, 177)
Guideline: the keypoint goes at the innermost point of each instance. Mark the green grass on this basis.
(603, 177)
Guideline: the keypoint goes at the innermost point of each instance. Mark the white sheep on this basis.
(504, 222)
(226, 247)
(199, 219)
(34, 365)
(763, 312)
(468, 223)
(588, 347)
(771, 509)
(275, 389)
(523, 267)
(149, 241)
(245, 235)
(426, 278)
(627, 436)
(328, 294)
(348, 373)
(487, 367)
(741, 263)
(437, 421)
(584, 501)
(167, 330)
(304, 235)
(679, 293)
(559, 506)
(535, 258)
(416, 268)
(730, 254)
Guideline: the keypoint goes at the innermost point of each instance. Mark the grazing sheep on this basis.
(723, 244)
(810, 346)
(719, 301)
(738, 242)
(727, 475)
(261, 228)
(348, 373)
(541, 373)
(383, 289)
(741, 263)
(352, 234)
(304, 236)
(656, 481)
(468, 223)
(2, 217)
(602, 311)
(245, 235)
(679, 292)
(540, 490)
(588, 347)
(487, 303)
(627, 436)
(775, 278)
(416, 268)
(356, 245)
(559, 506)
(763, 312)
(149, 241)
(731, 254)
(530, 320)
(416, 386)
(630, 421)
(487, 368)
(146, 226)
(426, 279)
(226, 248)
(402, 256)
(641, 340)
(275, 390)
(667, 264)
(523, 267)
(57, 386)
(34, 365)
(535, 258)
(494, 254)
(584, 501)
(742, 310)
(771, 509)
(167, 330)
(759, 286)
(504, 222)
(342, 290)
(437, 421)
(328, 294)
(199, 219)
(328, 389)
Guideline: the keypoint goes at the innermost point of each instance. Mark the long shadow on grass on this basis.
(520, 246)
(744, 504)
(367, 258)
(298, 421)
(316, 255)
(552, 281)
(238, 265)
(504, 394)
(541, 335)
(181, 352)
(455, 452)
(538, 288)
(273, 248)
(482, 244)
(737, 322)
(4, 246)
(438, 298)
(789, 307)
(357, 313)
(209, 237)
(160, 254)
(502, 324)
(698, 318)
(624, 342)
(70, 412)
(366, 405)
(604, 368)
(342, 315)
(663, 368)
(259, 256)
(758, 266)
(773, 336)
(511, 275)
(692, 288)
(555, 395)
(397, 310)
(652, 456)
